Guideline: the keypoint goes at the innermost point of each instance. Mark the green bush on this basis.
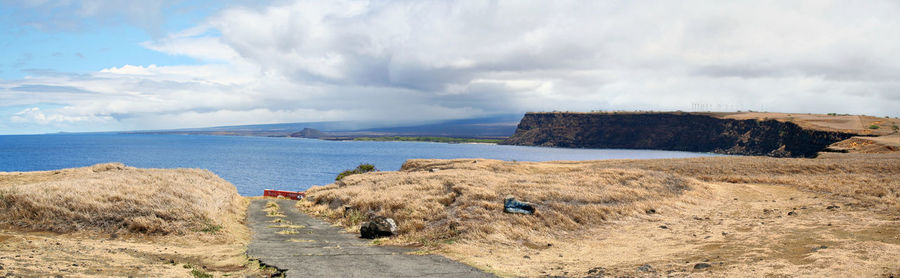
(894, 127)
(200, 274)
(362, 168)
(874, 127)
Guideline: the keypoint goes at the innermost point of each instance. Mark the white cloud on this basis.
(418, 60)
(34, 115)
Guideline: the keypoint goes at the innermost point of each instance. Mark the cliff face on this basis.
(671, 131)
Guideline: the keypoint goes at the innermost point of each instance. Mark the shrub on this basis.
(362, 168)
(196, 273)
(874, 127)
(895, 127)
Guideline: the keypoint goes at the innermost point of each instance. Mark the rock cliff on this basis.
(671, 131)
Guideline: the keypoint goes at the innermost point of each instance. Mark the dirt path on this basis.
(307, 247)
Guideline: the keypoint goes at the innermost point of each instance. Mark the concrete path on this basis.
(308, 247)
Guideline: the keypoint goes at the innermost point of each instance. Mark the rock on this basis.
(597, 272)
(650, 211)
(511, 205)
(793, 213)
(378, 226)
(701, 265)
(645, 268)
(819, 248)
(664, 227)
(833, 207)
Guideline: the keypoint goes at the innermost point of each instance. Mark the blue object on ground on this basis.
(511, 205)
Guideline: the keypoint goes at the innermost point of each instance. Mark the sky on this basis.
(108, 65)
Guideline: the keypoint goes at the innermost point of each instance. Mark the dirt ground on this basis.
(45, 254)
(743, 230)
(835, 216)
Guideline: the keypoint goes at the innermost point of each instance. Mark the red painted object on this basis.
(293, 195)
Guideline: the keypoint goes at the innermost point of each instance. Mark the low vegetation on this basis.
(362, 168)
(671, 213)
(112, 198)
(462, 198)
(430, 139)
(114, 220)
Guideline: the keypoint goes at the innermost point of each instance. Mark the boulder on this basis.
(378, 226)
(511, 205)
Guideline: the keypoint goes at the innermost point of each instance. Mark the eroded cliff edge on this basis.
(672, 131)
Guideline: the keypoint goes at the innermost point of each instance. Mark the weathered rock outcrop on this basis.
(671, 131)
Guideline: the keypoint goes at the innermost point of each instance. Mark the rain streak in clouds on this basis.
(293, 61)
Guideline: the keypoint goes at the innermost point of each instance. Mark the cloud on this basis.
(426, 60)
(34, 115)
(47, 88)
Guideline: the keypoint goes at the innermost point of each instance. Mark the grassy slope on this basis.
(730, 211)
(110, 219)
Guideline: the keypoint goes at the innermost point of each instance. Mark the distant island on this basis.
(451, 140)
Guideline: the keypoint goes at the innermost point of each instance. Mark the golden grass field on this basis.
(743, 216)
(113, 220)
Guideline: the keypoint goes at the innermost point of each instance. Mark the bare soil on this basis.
(836, 216)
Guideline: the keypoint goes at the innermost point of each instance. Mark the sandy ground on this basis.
(744, 230)
(858, 144)
(44, 254)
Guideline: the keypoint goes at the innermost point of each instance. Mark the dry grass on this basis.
(461, 200)
(109, 219)
(871, 179)
(621, 214)
(112, 198)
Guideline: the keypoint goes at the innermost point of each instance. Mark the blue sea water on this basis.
(256, 163)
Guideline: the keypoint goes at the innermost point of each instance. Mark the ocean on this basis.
(256, 163)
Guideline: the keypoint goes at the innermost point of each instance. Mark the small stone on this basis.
(650, 211)
(724, 233)
(74, 264)
(597, 271)
(833, 207)
(645, 268)
(526, 257)
(819, 248)
(664, 227)
(793, 213)
(702, 265)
